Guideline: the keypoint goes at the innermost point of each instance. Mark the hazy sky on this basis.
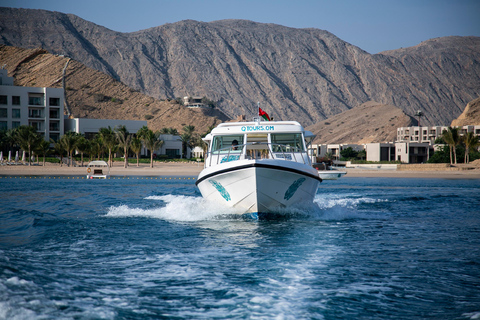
(373, 25)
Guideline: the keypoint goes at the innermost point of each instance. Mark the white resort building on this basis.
(39, 107)
(413, 145)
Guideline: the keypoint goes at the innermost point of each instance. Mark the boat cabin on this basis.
(280, 140)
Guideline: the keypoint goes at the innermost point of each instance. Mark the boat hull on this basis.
(331, 174)
(254, 186)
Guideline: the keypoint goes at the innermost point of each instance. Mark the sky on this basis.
(372, 25)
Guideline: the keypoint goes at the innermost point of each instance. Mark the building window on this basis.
(37, 125)
(16, 113)
(16, 100)
(3, 100)
(173, 153)
(35, 113)
(55, 102)
(54, 126)
(54, 136)
(54, 113)
(3, 113)
(3, 125)
(35, 100)
(15, 124)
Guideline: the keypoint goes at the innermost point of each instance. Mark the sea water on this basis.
(152, 248)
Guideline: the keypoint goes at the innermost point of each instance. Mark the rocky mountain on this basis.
(307, 75)
(93, 94)
(470, 116)
(367, 123)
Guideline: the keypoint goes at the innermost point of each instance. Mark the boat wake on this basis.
(334, 207)
(189, 208)
(176, 208)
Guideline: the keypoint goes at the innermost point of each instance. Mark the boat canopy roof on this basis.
(98, 163)
(230, 128)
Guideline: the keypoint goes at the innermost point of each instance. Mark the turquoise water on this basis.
(149, 248)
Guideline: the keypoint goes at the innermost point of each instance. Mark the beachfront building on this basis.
(39, 107)
(406, 152)
(429, 134)
(320, 150)
(413, 152)
(380, 151)
(90, 127)
(171, 147)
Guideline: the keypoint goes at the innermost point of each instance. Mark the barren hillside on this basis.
(367, 123)
(469, 116)
(93, 94)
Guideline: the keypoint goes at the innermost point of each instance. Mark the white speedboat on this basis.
(98, 170)
(258, 166)
(327, 172)
(331, 174)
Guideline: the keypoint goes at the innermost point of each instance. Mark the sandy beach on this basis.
(193, 169)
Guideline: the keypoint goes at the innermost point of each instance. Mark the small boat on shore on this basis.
(98, 170)
(331, 174)
(258, 166)
(326, 171)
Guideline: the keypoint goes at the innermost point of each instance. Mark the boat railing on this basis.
(257, 150)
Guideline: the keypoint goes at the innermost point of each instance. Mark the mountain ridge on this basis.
(306, 75)
(93, 94)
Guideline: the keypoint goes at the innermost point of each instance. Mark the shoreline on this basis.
(193, 169)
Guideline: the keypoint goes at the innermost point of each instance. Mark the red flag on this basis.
(263, 114)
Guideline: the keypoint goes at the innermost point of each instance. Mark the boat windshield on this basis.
(224, 142)
(294, 140)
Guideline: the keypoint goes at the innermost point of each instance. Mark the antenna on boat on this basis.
(256, 118)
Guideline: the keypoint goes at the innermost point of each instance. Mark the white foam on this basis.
(176, 208)
(472, 315)
(14, 312)
(188, 208)
(18, 282)
(335, 207)
(334, 200)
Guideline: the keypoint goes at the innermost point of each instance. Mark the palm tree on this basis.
(172, 131)
(188, 138)
(451, 138)
(164, 130)
(27, 138)
(43, 148)
(189, 129)
(186, 143)
(152, 143)
(69, 141)
(96, 147)
(124, 139)
(471, 142)
(109, 141)
(136, 146)
(59, 149)
(200, 143)
(8, 139)
(83, 146)
(142, 132)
